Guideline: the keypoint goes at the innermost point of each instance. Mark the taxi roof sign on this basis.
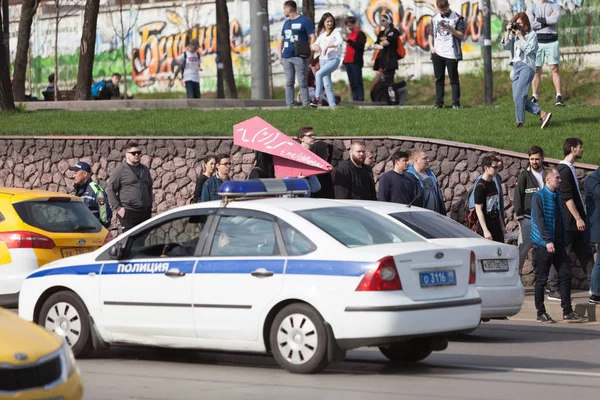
(264, 187)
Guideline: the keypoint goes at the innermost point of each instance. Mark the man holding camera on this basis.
(544, 17)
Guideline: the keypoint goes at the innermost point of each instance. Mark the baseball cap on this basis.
(81, 166)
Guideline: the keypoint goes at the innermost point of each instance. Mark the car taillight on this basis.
(26, 240)
(108, 238)
(384, 277)
(472, 269)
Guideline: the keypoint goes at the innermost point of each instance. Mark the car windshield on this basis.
(432, 225)
(58, 216)
(356, 226)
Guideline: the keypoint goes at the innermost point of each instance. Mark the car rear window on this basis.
(58, 216)
(356, 226)
(432, 225)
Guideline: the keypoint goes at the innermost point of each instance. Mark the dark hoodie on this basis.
(320, 149)
(263, 167)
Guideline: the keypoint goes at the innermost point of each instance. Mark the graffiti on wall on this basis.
(161, 32)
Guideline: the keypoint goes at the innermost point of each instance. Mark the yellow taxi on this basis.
(35, 363)
(37, 227)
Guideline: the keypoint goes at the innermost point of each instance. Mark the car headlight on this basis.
(68, 360)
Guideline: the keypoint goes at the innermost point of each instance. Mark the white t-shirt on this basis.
(324, 41)
(443, 40)
(538, 176)
(192, 63)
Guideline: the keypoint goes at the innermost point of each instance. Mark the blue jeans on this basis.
(595, 279)
(355, 78)
(192, 89)
(323, 78)
(522, 77)
(295, 67)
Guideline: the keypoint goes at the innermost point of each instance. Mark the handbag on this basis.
(302, 48)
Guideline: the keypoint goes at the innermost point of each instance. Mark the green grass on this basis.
(491, 126)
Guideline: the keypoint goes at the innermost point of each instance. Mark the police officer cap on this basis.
(81, 166)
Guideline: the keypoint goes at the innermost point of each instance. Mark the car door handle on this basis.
(261, 273)
(174, 273)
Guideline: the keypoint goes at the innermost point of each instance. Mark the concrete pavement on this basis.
(579, 301)
(501, 360)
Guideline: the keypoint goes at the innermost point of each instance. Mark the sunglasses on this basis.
(227, 164)
(135, 153)
(309, 136)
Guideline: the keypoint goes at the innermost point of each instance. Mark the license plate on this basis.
(494, 265)
(75, 251)
(437, 278)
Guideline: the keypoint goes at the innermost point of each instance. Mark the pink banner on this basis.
(289, 157)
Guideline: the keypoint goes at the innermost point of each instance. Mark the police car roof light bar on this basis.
(264, 187)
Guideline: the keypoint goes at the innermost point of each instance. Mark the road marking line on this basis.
(525, 370)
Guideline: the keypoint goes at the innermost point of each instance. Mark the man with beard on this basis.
(353, 179)
(572, 204)
(529, 181)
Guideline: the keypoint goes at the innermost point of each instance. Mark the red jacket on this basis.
(355, 48)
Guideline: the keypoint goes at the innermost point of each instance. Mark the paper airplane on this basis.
(289, 157)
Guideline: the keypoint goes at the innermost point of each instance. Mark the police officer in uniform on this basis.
(92, 194)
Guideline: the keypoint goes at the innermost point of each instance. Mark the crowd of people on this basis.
(554, 218)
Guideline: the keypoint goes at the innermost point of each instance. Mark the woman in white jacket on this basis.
(329, 46)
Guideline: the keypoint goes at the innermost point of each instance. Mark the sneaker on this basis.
(533, 99)
(594, 299)
(553, 295)
(545, 119)
(559, 101)
(314, 103)
(456, 107)
(519, 126)
(573, 317)
(545, 318)
(438, 106)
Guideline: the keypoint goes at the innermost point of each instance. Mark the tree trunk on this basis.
(56, 21)
(7, 101)
(224, 48)
(28, 11)
(308, 10)
(123, 37)
(86, 50)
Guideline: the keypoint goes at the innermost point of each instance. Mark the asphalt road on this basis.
(501, 360)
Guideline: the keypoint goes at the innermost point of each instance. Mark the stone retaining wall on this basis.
(175, 164)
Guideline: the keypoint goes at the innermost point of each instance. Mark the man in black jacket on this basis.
(353, 179)
(130, 189)
(592, 202)
(529, 181)
(572, 203)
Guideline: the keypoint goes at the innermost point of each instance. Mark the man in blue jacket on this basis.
(433, 199)
(592, 202)
(549, 238)
(92, 194)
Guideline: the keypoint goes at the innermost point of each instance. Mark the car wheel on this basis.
(411, 351)
(65, 314)
(298, 339)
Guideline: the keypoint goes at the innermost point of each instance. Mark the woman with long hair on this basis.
(329, 46)
(208, 169)
(522, 42)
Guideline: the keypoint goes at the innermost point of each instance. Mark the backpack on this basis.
(97, 88)
(400, 49)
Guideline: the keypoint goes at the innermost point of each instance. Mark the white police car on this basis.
(304, 279)
(498, 280)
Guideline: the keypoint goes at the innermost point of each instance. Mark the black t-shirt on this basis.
(486, 194)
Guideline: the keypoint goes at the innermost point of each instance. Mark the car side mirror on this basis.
(116, 251)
